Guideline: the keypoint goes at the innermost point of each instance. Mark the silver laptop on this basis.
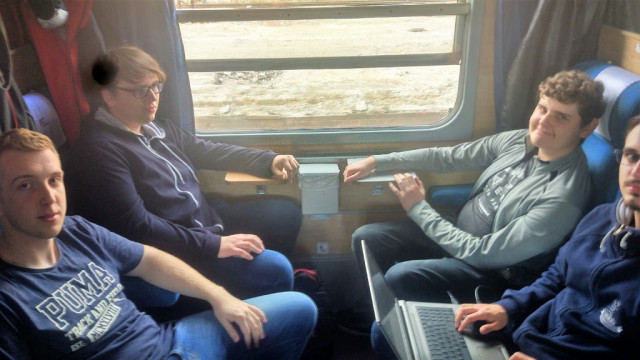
(416, 330)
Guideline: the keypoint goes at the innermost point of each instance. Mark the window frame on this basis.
(457, 125)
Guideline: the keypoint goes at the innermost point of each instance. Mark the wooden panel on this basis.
(213, 184)
(336, 230)
(235, 178)
(368, 196)
(620, 47)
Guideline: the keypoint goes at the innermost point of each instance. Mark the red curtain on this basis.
(59, 61)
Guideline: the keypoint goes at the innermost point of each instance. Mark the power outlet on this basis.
(322, 248)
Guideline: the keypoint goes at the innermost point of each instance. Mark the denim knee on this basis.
(293, 311)
(398, 272)
(380, 344)
(362, 233)
(277, 271)
(401, 278)
(291, 318)
(285, 269)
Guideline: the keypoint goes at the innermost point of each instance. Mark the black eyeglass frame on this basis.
(621, 159)
(141, 92)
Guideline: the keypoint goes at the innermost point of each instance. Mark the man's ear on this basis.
(107, 97)
(589, 128)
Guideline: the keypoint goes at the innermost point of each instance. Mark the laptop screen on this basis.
(387, 312)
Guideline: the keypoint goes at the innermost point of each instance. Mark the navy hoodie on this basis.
(145, 187)
(587, 304)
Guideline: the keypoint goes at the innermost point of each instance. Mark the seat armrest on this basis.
(236, 178)
(450, 195)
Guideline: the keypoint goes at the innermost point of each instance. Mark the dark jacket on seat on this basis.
(145, 187)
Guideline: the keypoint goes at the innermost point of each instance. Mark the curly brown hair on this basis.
(574, 86)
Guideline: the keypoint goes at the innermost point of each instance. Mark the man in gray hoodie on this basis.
(534, 189)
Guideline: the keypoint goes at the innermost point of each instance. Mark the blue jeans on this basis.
(268, 272)
(291, 318)
(277, 222)
(380, 344)
(415, 267)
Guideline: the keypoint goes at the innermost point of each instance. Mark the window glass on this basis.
(351, 94)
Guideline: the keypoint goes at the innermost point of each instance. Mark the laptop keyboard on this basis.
(444, 341)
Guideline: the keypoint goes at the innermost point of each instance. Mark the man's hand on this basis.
(359, 170)
(521, 356)
(168, 272)
(241, 245)
(284, 167)
(229, 310)
(409, 190)
(495, 316)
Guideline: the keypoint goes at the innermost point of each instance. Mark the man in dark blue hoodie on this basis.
(586, 305)
(134, 174)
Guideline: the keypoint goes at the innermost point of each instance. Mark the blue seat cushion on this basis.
(603, 169)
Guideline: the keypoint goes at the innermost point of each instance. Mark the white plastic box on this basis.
(319, 184)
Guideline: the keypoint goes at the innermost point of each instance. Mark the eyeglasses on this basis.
(142, 91)
(627, 158)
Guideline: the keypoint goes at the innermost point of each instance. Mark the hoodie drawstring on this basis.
(623, 242)
(606, 237)
(614, 232)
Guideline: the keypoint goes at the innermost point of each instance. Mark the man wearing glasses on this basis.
(585, 306)
(135, 175)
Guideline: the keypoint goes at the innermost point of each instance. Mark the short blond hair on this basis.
(125, 62)
(25, 140)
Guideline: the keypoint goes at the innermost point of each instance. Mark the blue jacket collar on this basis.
(151, 129)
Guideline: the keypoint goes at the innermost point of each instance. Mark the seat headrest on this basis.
(622, 94)
(45, 117)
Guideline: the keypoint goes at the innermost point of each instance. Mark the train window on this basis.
(330, 71)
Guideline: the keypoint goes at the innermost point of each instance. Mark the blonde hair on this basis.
(125, 62)
(25, 140)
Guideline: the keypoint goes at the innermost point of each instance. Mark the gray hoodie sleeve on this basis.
(548, 216)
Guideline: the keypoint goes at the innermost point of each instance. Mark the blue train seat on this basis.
(622, 93)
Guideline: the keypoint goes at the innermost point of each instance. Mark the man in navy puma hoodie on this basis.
(587, 304)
